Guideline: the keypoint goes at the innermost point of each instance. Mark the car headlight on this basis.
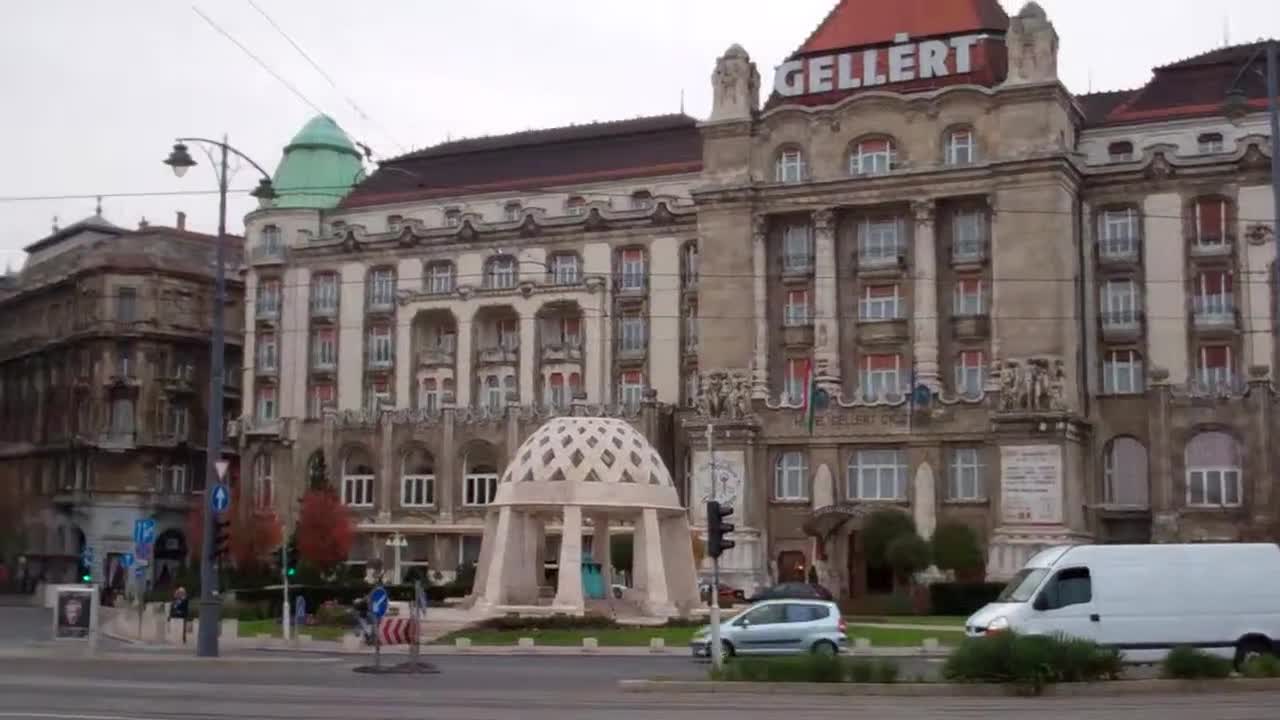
(999, 624)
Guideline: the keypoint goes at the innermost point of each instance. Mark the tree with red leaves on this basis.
(325, 531)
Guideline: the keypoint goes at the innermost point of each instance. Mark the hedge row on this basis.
(956, 598)
(316, 595)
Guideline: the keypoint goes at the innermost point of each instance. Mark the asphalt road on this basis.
(163, 686)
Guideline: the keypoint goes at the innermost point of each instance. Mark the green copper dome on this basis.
(319, 167)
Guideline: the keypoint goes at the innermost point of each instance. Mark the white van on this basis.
(1146, 599)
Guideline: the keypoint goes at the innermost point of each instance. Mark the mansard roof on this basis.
(855, 23)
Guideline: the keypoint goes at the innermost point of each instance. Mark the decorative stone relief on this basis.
(1032, 45)
(1033, 385)
(725, 394)
(735, 86)
(1259, 233)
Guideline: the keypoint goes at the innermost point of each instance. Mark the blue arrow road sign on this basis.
(126, 560)
(144, 531)
(220, 498)
(378, 601)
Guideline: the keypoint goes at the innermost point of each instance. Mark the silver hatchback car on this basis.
(779, 627)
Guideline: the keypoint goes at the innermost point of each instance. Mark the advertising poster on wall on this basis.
(729, 473)
(1031, 484)
(74, 612)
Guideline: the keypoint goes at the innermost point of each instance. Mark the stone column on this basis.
(602, 550)
(760, 292)
(593, 349)
(446, 464)
(465, 361)
(925, 297)
(495, 561)
(826, 308)
(1164, 513)
(388, 469)
(569, 588)
(528, 348)
(654, 558)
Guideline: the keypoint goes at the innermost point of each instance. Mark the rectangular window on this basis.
(969, 299)
(493, 395)
(1214, 369)
(555, 391)
(967, 228)
(970, 370)
(797, 249)
(1211, 222)
(127, 304)
(1122, 373)
(1210, 143)
(357, 490)
(1214, 298)
(796, 311)
(175, 478)
(176, 424)
(631, 388)
(633, 269)
(319, 397)
(124, 360)
(268, 299)
(512, 212)
(1213, 487)
(479, 488)
(377, 395)
(268, 358)
(879, 242)
(267, 407)
(872, 157)
(564, 269)
(965, 477)
(790, 167)
(324, 348)
(429, 395)
(1118, 231)
(380, 346)
(1120, 303)
(382, 288)
(791, 477)
(500, 273)
(880, 302)
(960, 147)
(440, 278)
(324, 294)
(632, 332)
(508, 331)
(797, 371)
(877, 475)
(881, 376)
(418, 490)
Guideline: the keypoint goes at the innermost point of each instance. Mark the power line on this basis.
(316, 66)
(260, 61)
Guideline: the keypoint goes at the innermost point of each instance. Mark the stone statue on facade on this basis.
(735, 86)
(724, 394)
(1032, 45)
(1033, 385)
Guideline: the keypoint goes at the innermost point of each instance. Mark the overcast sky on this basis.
(94, 92)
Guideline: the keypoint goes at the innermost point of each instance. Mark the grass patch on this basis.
(608, 637)
(947, 622)
(1188, 663)
(251, 628)
(893, 637)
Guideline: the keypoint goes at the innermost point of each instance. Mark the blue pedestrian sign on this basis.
(220, 498)
(126, 560)
(144, 531)
(378, 602)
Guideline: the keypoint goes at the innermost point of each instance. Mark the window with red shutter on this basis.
(1210, 220)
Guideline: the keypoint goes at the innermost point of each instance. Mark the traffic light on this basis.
(221, 538)
(717, 528)
(291, 561)
(86, 565)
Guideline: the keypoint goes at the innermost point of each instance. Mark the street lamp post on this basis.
(180, 160)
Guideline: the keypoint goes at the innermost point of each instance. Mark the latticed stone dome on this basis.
(587, 461)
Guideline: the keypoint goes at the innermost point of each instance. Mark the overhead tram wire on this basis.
(328, 78)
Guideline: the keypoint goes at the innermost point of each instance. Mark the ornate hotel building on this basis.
(1046, 316)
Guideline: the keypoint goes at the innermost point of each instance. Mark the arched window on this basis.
(873, 156)
(791, 476)
(790, 166)
(500, 272)
(1124, 474)
(960, 146)
(263, 483)
(357, 478)
(879, 474)
(417, 479)
(480, 481)
(1214, 477)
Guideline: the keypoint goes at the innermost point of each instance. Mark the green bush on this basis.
(808, 668)
(951, 598)
(1031, 660)
(1188, 663)
(882, 528)
(956, 548)
(1261, 666)
(908, 554)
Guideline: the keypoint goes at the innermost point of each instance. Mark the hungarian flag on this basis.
(811, 398)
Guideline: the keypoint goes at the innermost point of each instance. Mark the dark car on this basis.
(793, 591)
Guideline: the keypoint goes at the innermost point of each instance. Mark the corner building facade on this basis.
(1045, 316)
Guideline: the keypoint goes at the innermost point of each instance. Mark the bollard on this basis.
(525, 642)
(463, 644)
(352, 643)
(657, 645)
(590, 644)
(862, 644)
(930, 643)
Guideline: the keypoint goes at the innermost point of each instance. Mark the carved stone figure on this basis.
(735, 86)
(1033, 385)
(1008, 386)
(725, 394)
(1058, 388)
(1032, 45)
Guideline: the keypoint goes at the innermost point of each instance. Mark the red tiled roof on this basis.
(853, 23)
(1193, 87)
(639, 148)
(1096, 106)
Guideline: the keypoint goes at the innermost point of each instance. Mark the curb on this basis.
(1117, 688)
(64, 654)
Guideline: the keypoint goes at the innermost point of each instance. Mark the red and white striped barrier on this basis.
(395, 631)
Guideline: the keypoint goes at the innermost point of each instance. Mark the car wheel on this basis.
(726, 649)
(1251, 647)
(824, 648)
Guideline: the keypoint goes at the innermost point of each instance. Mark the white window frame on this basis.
(1226, 478)
(381, 346)
(961, 152)
(177, 420)
(789, 167)
(796, 314)
(970, 378)
(440, 278)
(268, 352)
(494, 393)
(416, 489)
(266, 403)
(968, 235)
(633, 269)
(316, 405)
(1221, 239)
(1118, 231)
(631, 332)
(565, 269)
(267, 298)
(877, 474)
(879, 241)
(555, 395)
(1123, 375)
(791, 476)
(263, 482)
(1213, 378)
(965, 479)
(863, 161)
(429, 394)
(797, 248)
(1121, 302)
(500, 273)
(873, 308)
(176, 479)
(271, 240)
(324, 348)
(631, 391)
(512, 211)
(382, 287)
(1220, 304)
(478, 489)
(880, 383)
(793, 381)
(1211, 143)
(969, 304)
(357, 490)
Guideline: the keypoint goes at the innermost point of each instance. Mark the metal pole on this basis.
(717, 660)
(1273, 104)
(284, 572)
(210, 603)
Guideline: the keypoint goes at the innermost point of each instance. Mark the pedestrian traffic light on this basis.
(717, 528)
(221, 538)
